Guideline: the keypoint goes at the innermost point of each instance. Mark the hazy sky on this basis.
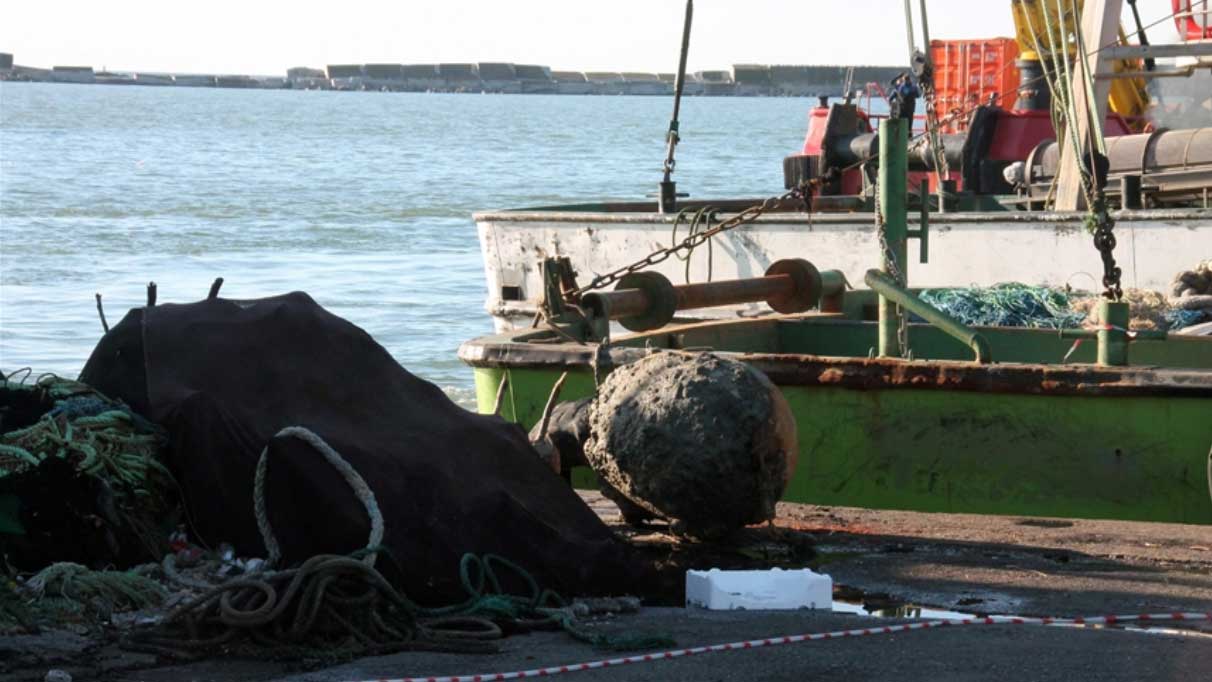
(267, 36)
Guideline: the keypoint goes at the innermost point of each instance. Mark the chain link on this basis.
(933, 132)
(802, 192)
(1100, 223)
(894, 271)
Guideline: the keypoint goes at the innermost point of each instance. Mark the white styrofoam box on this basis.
(772, 589)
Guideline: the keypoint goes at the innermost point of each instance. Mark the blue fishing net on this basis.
(1006, 305)
(1177, 318)
(1020, 305)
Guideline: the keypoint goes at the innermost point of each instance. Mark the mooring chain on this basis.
(932, 127)
(894, 271)
(802, 192)
(1104, 241)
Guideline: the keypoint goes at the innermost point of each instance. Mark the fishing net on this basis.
(70, 587)
(1021, 305)
(80, 477)
(1007, 305)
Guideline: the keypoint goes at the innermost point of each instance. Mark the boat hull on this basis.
(964, 249)
(955, 440)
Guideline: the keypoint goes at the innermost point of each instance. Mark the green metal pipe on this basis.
(888, 289)
(1113, 335)
(893, 210)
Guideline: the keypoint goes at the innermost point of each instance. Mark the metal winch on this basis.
(648, 300)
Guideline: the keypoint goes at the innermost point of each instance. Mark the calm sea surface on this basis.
(363, 200)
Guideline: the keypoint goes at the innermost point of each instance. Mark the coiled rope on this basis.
(331, 597)
(363, 492)
(700, 221)
(1192, 289)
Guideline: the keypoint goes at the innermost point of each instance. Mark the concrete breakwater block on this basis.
(706, 442)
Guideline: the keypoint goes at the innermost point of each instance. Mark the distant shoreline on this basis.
(742, 80)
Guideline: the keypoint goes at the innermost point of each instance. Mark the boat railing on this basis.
(882, 284)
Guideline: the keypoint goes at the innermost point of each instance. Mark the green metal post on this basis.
(1113, 337)
(882, 284)
(893, 199)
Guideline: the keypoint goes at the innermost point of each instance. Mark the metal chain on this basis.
(801, 192)
(941, 166)
(894, 271)
(1100, 223)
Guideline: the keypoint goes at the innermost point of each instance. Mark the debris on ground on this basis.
(704, 441)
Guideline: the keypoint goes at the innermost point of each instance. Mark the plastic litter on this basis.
(773, 589)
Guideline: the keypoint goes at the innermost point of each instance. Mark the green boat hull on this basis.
(947, 436)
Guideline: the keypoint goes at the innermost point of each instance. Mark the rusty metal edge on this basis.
(557, 214)
(868, 374)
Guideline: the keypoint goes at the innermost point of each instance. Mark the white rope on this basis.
(365, 495)
(1192, 289)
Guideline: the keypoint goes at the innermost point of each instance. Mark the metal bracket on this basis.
(564, 317)
(922, 233)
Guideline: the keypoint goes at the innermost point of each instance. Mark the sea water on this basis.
(361, 199)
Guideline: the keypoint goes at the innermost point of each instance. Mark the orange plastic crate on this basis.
(968, 72)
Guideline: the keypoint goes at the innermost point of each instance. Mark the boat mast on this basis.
(668, 188)
(1089, 90)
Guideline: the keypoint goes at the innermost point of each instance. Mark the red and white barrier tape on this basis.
(1132, 334)
(812, 637)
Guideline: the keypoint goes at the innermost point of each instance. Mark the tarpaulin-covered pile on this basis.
(223, 377)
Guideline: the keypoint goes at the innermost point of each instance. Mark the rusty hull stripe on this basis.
(881, 373)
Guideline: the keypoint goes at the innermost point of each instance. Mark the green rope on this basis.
(100, 438)
(104, 591)
(535, 608)
(700, 222)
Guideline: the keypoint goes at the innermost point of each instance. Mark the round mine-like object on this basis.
(695, 438)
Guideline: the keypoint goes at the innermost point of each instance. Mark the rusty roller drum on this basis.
(806, 292)
(706, 442)
(647, 300)
(652, 304)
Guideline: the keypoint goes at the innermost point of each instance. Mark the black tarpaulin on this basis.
(224, 376)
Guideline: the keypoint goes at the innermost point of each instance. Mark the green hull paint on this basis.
(1122, 457)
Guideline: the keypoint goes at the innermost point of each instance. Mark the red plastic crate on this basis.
(968, 72)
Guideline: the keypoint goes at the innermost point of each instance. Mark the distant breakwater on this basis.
(742, 80)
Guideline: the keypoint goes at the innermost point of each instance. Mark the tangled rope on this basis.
(103, 591)
(365, 495)
(700, 221)
(1006, 305)
(1192, 289)
(1020, 305)
(346, 601)
(99, 438)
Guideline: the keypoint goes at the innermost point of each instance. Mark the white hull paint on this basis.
(965, 249)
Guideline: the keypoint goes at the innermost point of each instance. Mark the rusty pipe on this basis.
(729, 292)
(647, 300)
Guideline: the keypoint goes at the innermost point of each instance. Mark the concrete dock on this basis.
(970, 564)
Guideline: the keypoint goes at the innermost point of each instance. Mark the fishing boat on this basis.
(898, 404)
(931, 415)
(990, 162)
